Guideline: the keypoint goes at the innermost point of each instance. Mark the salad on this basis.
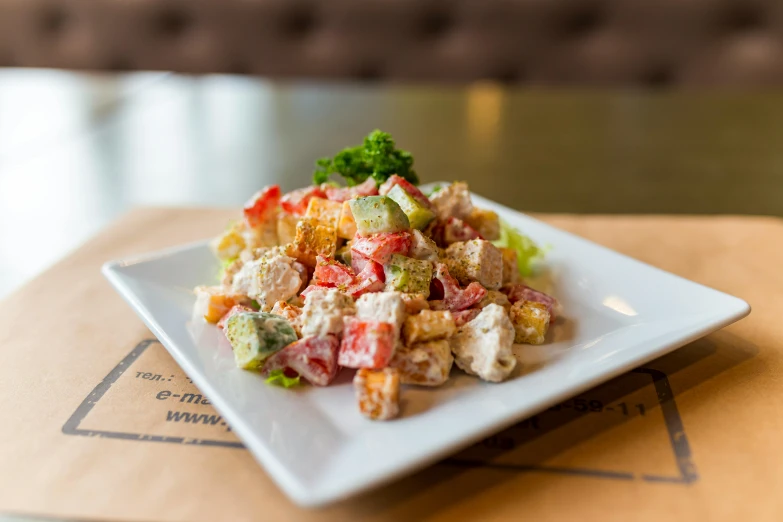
(376, 276)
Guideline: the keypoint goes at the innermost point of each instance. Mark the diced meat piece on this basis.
(261, 207)
(370, 279)
(408, 187)
(291, 313)
(230, 271)
(453, 200)
(531, 322)
(346, 225)
(269, 279)
(378, 393)
(261, 236)
(380, 247)
(314, 358)
(303, 272)
(330, 273)
(385, 307)
(510, 266)
(465, 316)
(286, 228)
(366, 188)
(366, 343)
(312, 240)
(454, 297)
(428, 326)
(415, 303)
(324, 310)
(475, 260)
(423, 247)
(253, 254)
(296, 201)
(236, 309)
(255, 336)
(425, 364)
(496, 297)
(455, 230)
(485, 222)
(522, 292)
(483, 346)
(213, 302)
(324, 211)
(229, 244)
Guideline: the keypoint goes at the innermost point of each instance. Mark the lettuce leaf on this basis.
(224, 264)
(279, 378)
(528, 253)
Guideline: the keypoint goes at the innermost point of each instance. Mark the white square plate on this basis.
(618, 313)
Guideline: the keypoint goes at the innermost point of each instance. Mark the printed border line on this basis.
(674, 427)
(71, 426)
(671, 415)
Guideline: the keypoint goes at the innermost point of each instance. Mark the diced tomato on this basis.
(295, 202)
(457, 230)
(261, 206)
(314, 358)
(464, 316)
(236, 309)
(454, 297)
(370, 279)
(380, 247)
(366, 343)
(408, 187)
(358, 261)
(329, 272)
(309, 289)
(367, 188)
(521, 292)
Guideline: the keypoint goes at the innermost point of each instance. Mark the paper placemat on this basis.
(99, 422)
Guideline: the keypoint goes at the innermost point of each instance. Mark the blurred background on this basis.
(588, 106)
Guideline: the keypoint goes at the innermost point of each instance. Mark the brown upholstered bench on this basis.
(594, 42)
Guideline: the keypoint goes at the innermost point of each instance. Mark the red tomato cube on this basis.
(370, 279)
(295, 202)
(366, 188)
(314, 358)
(330, 273)
(521, 292)
(457, 230)
(380, 247)
(408, 187)
(366, 343)
(262, 205)
(456, 298)
(465, 316)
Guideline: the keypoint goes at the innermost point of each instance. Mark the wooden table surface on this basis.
(77, 150)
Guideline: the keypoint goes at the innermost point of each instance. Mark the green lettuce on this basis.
(528, 253)
(279, 378)
(224, 264)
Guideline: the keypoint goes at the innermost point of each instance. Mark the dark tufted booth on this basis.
(594, 42)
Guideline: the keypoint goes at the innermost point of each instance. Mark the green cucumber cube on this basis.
(405, 274)
(419, 216)
(377, 214)
(254, 336)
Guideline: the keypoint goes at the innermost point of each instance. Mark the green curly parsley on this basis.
(527, 251)
(279, 378)
(377, 157)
